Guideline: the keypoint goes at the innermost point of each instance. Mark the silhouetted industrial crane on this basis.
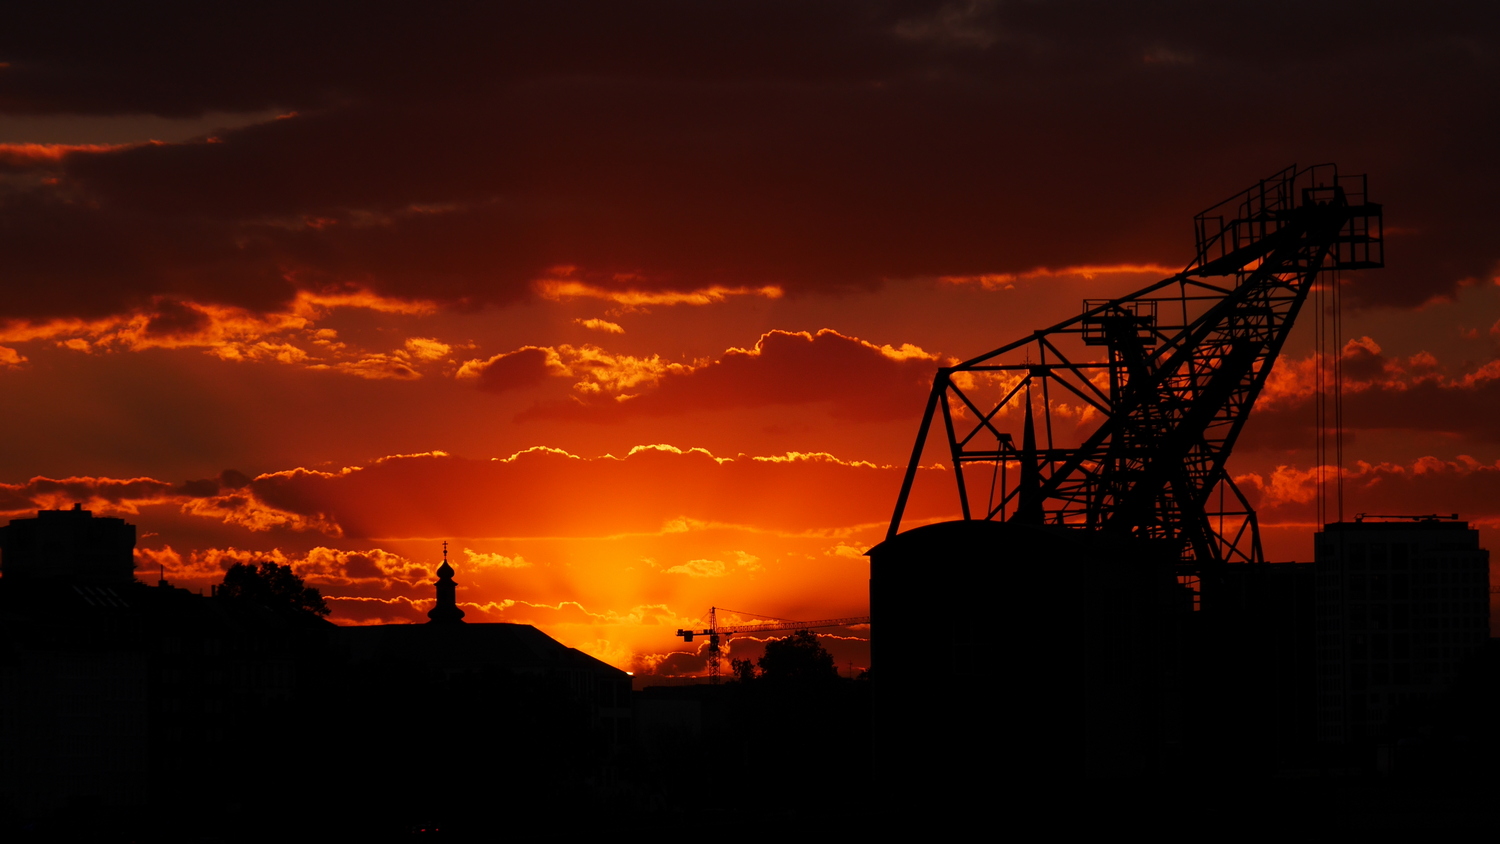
(714, 631)
(1183, 362)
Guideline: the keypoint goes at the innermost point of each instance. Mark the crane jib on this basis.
(1169, 374)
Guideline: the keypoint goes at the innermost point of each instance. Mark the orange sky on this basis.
(638, 308)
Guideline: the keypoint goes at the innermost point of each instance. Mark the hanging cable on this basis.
(1338, 391)
(1320, 357)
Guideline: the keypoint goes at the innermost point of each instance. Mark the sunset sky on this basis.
(636, 304)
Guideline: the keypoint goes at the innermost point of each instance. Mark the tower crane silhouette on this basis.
(1134, 440)
(717, 633)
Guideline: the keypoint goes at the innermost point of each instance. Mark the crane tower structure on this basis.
(718, 633)
(1128, 411)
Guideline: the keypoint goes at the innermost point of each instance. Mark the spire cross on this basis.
(445, 550)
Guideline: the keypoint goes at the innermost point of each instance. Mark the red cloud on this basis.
(525, 367)
(225, 499)
(1428, 485)
(543, 492)
(1380, 393)
(859, 380)
(23, 157)
(534, 493)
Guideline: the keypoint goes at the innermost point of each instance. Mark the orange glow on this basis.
(563, 289)
(641, 330)
(1001, 281)
(240, 335)
(22, 155)
(746, 527)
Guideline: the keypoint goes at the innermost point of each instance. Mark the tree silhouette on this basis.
(743, 669)
(798, 659)
(272, 586)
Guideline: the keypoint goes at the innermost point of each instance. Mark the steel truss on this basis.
(1169, 373)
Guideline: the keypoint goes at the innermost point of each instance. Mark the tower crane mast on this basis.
(717, 634)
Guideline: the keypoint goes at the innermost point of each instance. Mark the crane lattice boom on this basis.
(1168, 374)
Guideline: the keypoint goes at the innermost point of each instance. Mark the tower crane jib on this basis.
(717, 634)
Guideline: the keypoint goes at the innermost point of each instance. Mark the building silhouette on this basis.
(1251, 667)
(111, 688)
(73, 545)
(1057, 650)
(108, 685)
(450, 651)
(1401, 607)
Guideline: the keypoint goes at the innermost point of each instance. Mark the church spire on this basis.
(446, 611)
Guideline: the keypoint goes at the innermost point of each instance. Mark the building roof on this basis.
(1423, 524)
(467, 647)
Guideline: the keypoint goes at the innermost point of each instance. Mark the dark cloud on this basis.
(198, 489)
(1465, 410)
(1462, 409)
(455, 154)
(1463, 486)
(171, 318)
(521, 368)
(653, 491)
(858, 381)
(674, 663)
(1363, 362)
(114, 496)
(74, 258)
(360, 565)
(536, 493)
(185, 59)
(39, 493)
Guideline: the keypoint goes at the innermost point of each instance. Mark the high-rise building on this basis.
(1401, 605)
(69, 545)
(1252, 670)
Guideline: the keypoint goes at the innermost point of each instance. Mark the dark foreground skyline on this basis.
(330, 286)
(1355, 692)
